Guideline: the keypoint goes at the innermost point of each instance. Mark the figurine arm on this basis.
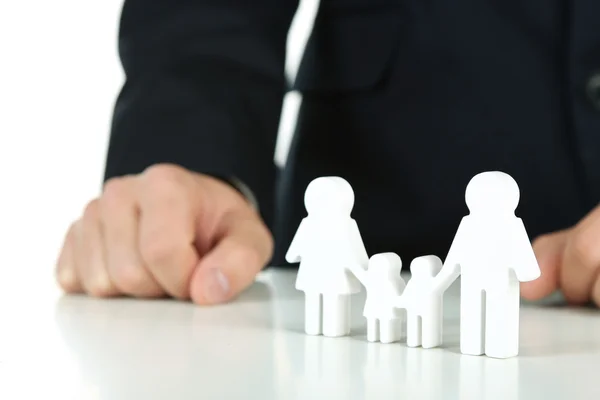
(359, 273)
(451, 268)
(442, 281)
(359, 246)
(360, 261)
(525, 263)
(294, 252)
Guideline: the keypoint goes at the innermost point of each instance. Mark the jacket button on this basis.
(593, 90)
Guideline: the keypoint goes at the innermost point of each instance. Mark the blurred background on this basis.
(59, 76)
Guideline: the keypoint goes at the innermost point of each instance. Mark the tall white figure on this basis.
(492, 253)
(424, 306)
(328, 245)
(384, 284)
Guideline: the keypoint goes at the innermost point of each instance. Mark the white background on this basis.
(59, 76)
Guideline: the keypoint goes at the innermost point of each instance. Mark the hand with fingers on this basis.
(570, 262)
(165, 232)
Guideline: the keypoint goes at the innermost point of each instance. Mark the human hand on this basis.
(167, 231)
(569, 261)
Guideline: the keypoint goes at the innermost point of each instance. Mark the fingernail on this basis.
(216, 286)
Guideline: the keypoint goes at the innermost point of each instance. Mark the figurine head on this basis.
(329, 196)
(492, 193)
(385, 265)
(425, 266)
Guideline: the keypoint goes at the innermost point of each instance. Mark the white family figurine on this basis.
(491, 252)
(383, 284)
(424, 305)
(328, 246)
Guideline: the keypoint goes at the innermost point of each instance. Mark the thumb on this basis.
(549, 251)
(243, 246)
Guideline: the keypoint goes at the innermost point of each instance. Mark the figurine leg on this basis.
(413, 330)
(430, 332)
(336, 315)
(432, 327)
(390, 330)
(472, 319)
(502, 322)
(372, 329)
(401, 324)
(312, 313)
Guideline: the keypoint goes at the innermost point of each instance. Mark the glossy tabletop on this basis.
(76, 347)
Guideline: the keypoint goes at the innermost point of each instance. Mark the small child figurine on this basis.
(424, 304)
(383, 284)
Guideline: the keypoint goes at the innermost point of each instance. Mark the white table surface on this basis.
(76, 347)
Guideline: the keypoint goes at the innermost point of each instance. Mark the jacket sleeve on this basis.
(204, 85)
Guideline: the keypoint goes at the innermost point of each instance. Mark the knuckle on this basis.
(116, 191)
(130, 278)
(100, 286)
(163, 175)
(167, 185)
(67, 247)
(91, 211)
(67, 279)
(583, 249)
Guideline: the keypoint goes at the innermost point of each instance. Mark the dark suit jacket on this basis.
(406, 99)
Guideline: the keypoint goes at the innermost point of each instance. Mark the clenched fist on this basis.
(570, 262)
(167, 231)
